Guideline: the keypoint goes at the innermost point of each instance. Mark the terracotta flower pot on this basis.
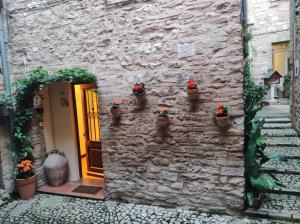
(193, 93)
(27, 187)
(141, 97)
(223, 122)
(163, 122)
(115, 112)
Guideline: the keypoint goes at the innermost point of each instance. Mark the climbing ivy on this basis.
(23, 95)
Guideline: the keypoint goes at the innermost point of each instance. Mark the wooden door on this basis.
(93, 133)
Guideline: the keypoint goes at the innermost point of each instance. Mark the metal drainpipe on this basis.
(4, 58)
(245, 10)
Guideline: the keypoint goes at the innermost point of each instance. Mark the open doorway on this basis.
(88, 131)
(72, 126)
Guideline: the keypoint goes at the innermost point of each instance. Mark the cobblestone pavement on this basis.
(59, 209)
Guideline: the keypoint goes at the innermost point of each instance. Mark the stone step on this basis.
(278, 120)
(277, 125)
(288, 132)
(291, 166)
(278, 206)
(283, 141)
(288, 151)
(290, 181)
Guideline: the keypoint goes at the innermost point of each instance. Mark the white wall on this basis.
(59, 124)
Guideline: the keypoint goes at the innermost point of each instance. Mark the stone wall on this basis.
(269, 23)
(6, 164)
(295, 52)
(163, 43)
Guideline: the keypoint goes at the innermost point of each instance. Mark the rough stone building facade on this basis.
(295, 52)
(163, 44)
(269, 23)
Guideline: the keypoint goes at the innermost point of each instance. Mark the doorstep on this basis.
(67, 189)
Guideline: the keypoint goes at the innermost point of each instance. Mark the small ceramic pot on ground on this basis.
(27, 187)
(163, 122)
(115, 112)
(141, 97)
(193, 93)
(223, 122)
(56, 168)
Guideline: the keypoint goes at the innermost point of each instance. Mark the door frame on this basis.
(76, 125)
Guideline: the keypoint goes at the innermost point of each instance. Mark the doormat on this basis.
(87, 189)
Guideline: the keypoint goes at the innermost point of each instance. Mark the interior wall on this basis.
(60, 119)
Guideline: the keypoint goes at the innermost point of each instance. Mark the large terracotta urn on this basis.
(27, 187)
(56, 168)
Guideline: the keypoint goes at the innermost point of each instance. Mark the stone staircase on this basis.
(281, 202)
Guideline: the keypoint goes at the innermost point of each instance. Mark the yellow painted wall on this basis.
(280, 57)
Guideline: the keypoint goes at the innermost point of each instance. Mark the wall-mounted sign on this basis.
(185, 50)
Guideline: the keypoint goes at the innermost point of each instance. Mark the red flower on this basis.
(137, 88)
(220, 105)
(219, 112)
(191, 84)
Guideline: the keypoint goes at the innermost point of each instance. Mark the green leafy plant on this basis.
(287, 85)
(162, 112)
(6, 101)
(138, 88)
(192, 84)
(221, 110)
(257, 181)
(115, 104)
(24, 169)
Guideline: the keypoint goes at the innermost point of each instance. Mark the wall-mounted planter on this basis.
(115, 109)
(223, 122)
(140, 92)
(193, 94)
(192, 89)
(115, 113)
(222, 117)
(163, 122)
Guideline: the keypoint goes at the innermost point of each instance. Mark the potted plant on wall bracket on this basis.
(6, 105)
(163, 120)
(192, 89)
(25, 179)
(222, 117)
(115, 109)
(140, 92)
